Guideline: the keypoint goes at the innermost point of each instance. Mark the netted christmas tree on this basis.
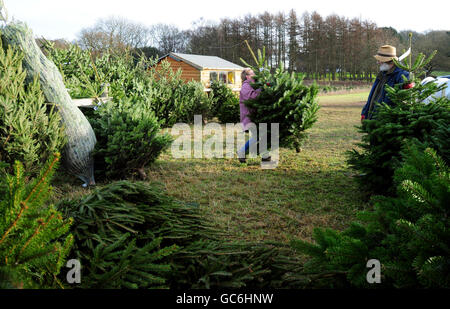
(30, 129)
(284, 99)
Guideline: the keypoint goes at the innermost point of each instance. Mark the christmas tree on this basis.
(405, 155)
(30, 130)
(408, 234)
(285, 100)
(31, 251)
(408, 119)
(134, 235)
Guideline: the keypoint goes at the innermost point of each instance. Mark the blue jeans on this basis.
(245, 149)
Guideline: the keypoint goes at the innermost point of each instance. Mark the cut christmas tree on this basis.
(285, 100)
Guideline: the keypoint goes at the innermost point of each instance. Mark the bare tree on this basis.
(168, 38)
(114, 33)
(293, 49)
(332, 47)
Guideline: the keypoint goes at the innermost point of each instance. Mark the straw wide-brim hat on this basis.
(386, 53)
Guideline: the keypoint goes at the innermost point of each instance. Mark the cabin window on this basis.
(223, 77)
(230, 77)
(212, 77)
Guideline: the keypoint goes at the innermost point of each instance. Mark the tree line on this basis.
(332, 47)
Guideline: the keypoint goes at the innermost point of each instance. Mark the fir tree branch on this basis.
(24, 203)
(30, 258)
(15, 221)
(43, 178)
(41, 224)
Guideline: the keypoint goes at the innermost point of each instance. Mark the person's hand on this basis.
(362, 118)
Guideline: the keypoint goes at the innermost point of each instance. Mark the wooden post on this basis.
(81, 139)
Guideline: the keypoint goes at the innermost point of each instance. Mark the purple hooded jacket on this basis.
(247, 92)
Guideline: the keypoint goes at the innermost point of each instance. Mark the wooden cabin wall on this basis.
(188, 72)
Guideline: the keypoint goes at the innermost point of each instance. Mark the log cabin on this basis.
(205, 69)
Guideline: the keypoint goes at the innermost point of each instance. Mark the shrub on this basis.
(128, 138)
(85, 76)
(408, 234)
(225, 104)
(30, 130)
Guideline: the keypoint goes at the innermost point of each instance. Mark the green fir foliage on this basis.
(408, 234)
(33, 236)
(157, 88)
(30, 130)
(128, 138)
(284, 99)
(225, 104)
(131, 234)
(172, 99)
(415, 68)
(394, 127)
(118, 232)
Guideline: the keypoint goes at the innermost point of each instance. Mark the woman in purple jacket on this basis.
(247, 93)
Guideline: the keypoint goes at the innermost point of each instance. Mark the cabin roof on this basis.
(204, 62)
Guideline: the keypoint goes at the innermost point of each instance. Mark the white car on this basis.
(439, 81)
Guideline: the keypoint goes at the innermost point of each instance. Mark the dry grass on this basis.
(314, 188)
(310, 189)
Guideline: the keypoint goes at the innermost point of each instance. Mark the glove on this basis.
(363, 117)
(408, 85)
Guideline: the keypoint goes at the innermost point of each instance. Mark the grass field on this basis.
(313, 188)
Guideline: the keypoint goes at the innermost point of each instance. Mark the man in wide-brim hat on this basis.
(389, 75)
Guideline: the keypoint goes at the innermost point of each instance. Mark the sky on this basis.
(63, 19)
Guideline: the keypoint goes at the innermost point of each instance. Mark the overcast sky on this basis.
(55, 19)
